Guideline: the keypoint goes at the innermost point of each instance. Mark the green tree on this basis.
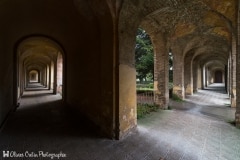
(144, 56)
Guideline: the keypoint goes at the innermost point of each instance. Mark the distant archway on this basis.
(33, 76)
(39, 60)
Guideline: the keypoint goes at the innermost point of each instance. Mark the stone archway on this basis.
(39, 59)
(33, 76)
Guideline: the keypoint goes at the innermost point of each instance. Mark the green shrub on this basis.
(170, 85)
(145, 86)
(176, 98)
(144, 109)
(150, 85)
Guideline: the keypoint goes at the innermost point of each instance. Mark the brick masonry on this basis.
(161, 68)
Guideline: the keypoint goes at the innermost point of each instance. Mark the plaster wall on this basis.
(6, 87)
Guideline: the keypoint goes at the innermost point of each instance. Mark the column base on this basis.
(179, 92)
(237, 119)
(189, 90)
(161, 95)
(233, 103)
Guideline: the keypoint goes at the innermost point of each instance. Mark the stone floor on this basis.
(196, 129)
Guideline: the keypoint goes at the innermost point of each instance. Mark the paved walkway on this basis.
(196, 129)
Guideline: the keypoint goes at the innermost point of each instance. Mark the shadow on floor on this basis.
(51, 120)
(36, 95)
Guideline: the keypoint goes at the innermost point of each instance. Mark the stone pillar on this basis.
(237, 114)
(206, 76)
(195, 76)
(203, 76)
(229, 75)
(44, 76)
(50, 76)
(127, 84)
(161, 71)
(210, 76)
(22, 78)
(226, 77)
(59, 72)
(188, 76)
(178, 70)
(55, 77)
(25, 78)
(199, 81)
(47, 76)
(233, 74)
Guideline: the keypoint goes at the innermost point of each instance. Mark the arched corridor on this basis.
(39, 60)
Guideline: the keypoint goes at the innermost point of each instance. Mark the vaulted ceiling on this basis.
(205, 27)
(37, 53)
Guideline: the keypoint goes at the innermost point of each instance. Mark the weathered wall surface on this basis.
(95, 62)
(6, 82)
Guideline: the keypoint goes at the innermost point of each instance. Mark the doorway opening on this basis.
(33, 76)
(218, 76)
(144, 63)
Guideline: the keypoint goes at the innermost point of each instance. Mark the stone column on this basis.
(50, 76)
(195, 76)
(127, 84)
(178, 72)
(229, 74)
(226, 78)
(211, 76)
(161, 71)
(188, 76)
(55, 77)
(22, 79)
(206, 76)
(59, 72)
(25, 78)
(233, 74)
(237, 115)
(199, 81)
(46, 76)
(203, 76)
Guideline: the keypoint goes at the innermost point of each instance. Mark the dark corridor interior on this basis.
(218, 77)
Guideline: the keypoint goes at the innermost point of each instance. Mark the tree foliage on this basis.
(144, 56)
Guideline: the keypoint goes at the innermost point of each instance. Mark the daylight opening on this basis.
(144, 63)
